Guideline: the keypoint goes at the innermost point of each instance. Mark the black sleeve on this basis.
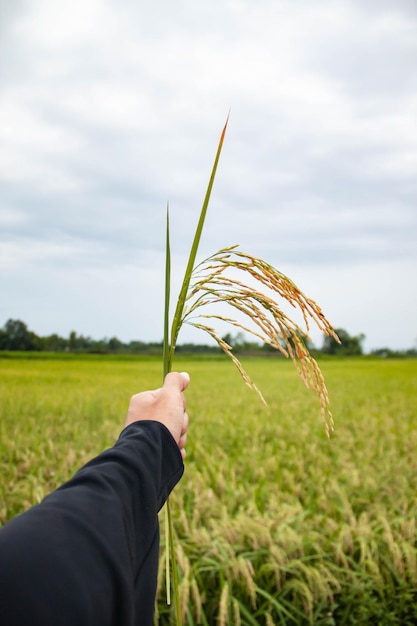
(88, 554)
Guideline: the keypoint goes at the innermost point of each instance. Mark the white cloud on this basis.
(31, 146)
(59, 26)
(108, 111)
(18, 256)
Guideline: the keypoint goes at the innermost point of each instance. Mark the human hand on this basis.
(165, 405)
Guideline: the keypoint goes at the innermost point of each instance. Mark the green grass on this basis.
(275, 523)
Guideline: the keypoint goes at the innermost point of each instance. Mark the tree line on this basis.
(15, 336)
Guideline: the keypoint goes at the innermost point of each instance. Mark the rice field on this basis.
(274, 523)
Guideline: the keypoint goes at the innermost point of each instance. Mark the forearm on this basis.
(88, 553)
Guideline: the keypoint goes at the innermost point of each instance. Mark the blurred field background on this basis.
(275, 524)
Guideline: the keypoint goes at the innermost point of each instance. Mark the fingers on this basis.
(183, 438)
(184, 424)
(183, 441)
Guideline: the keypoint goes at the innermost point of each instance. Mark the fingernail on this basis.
(186, 375)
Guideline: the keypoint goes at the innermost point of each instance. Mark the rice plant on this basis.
(209, 283)
(265, 496)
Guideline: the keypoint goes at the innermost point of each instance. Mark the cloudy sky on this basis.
(110, 109)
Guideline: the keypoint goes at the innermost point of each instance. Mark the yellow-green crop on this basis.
(274, 523)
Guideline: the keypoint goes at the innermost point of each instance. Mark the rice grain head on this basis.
(215, 281)
(223, 616)
(268, 620)
(246, 572)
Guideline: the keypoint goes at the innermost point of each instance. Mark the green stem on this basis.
(175, 582)
(169, 350)
(176, 323)
(170, 548)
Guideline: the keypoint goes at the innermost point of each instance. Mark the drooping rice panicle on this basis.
(211, 284)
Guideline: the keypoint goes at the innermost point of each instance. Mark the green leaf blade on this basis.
(166, 350)
(176, 323)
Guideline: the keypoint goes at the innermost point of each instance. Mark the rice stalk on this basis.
(169, 345)
(209, 283)
(236, 613)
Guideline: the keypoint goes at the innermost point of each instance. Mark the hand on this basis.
(165, 405)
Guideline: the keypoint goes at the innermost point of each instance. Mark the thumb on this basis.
(177, 381)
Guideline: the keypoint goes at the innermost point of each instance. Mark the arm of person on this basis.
(88, 554)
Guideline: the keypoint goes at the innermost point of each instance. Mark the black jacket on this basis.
(88, 554)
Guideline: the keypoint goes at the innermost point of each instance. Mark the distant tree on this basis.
(228, 339)
(237, 342)
(16, 336)
(196, 348)
(79, 343)
(72, 341)
(305, 340)
(54, 343)
(97, 347)
(115, 345)
(385, 353)
(290, 341)
(350, 345)
(136, 346)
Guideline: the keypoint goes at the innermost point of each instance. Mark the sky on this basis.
(109, 110)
